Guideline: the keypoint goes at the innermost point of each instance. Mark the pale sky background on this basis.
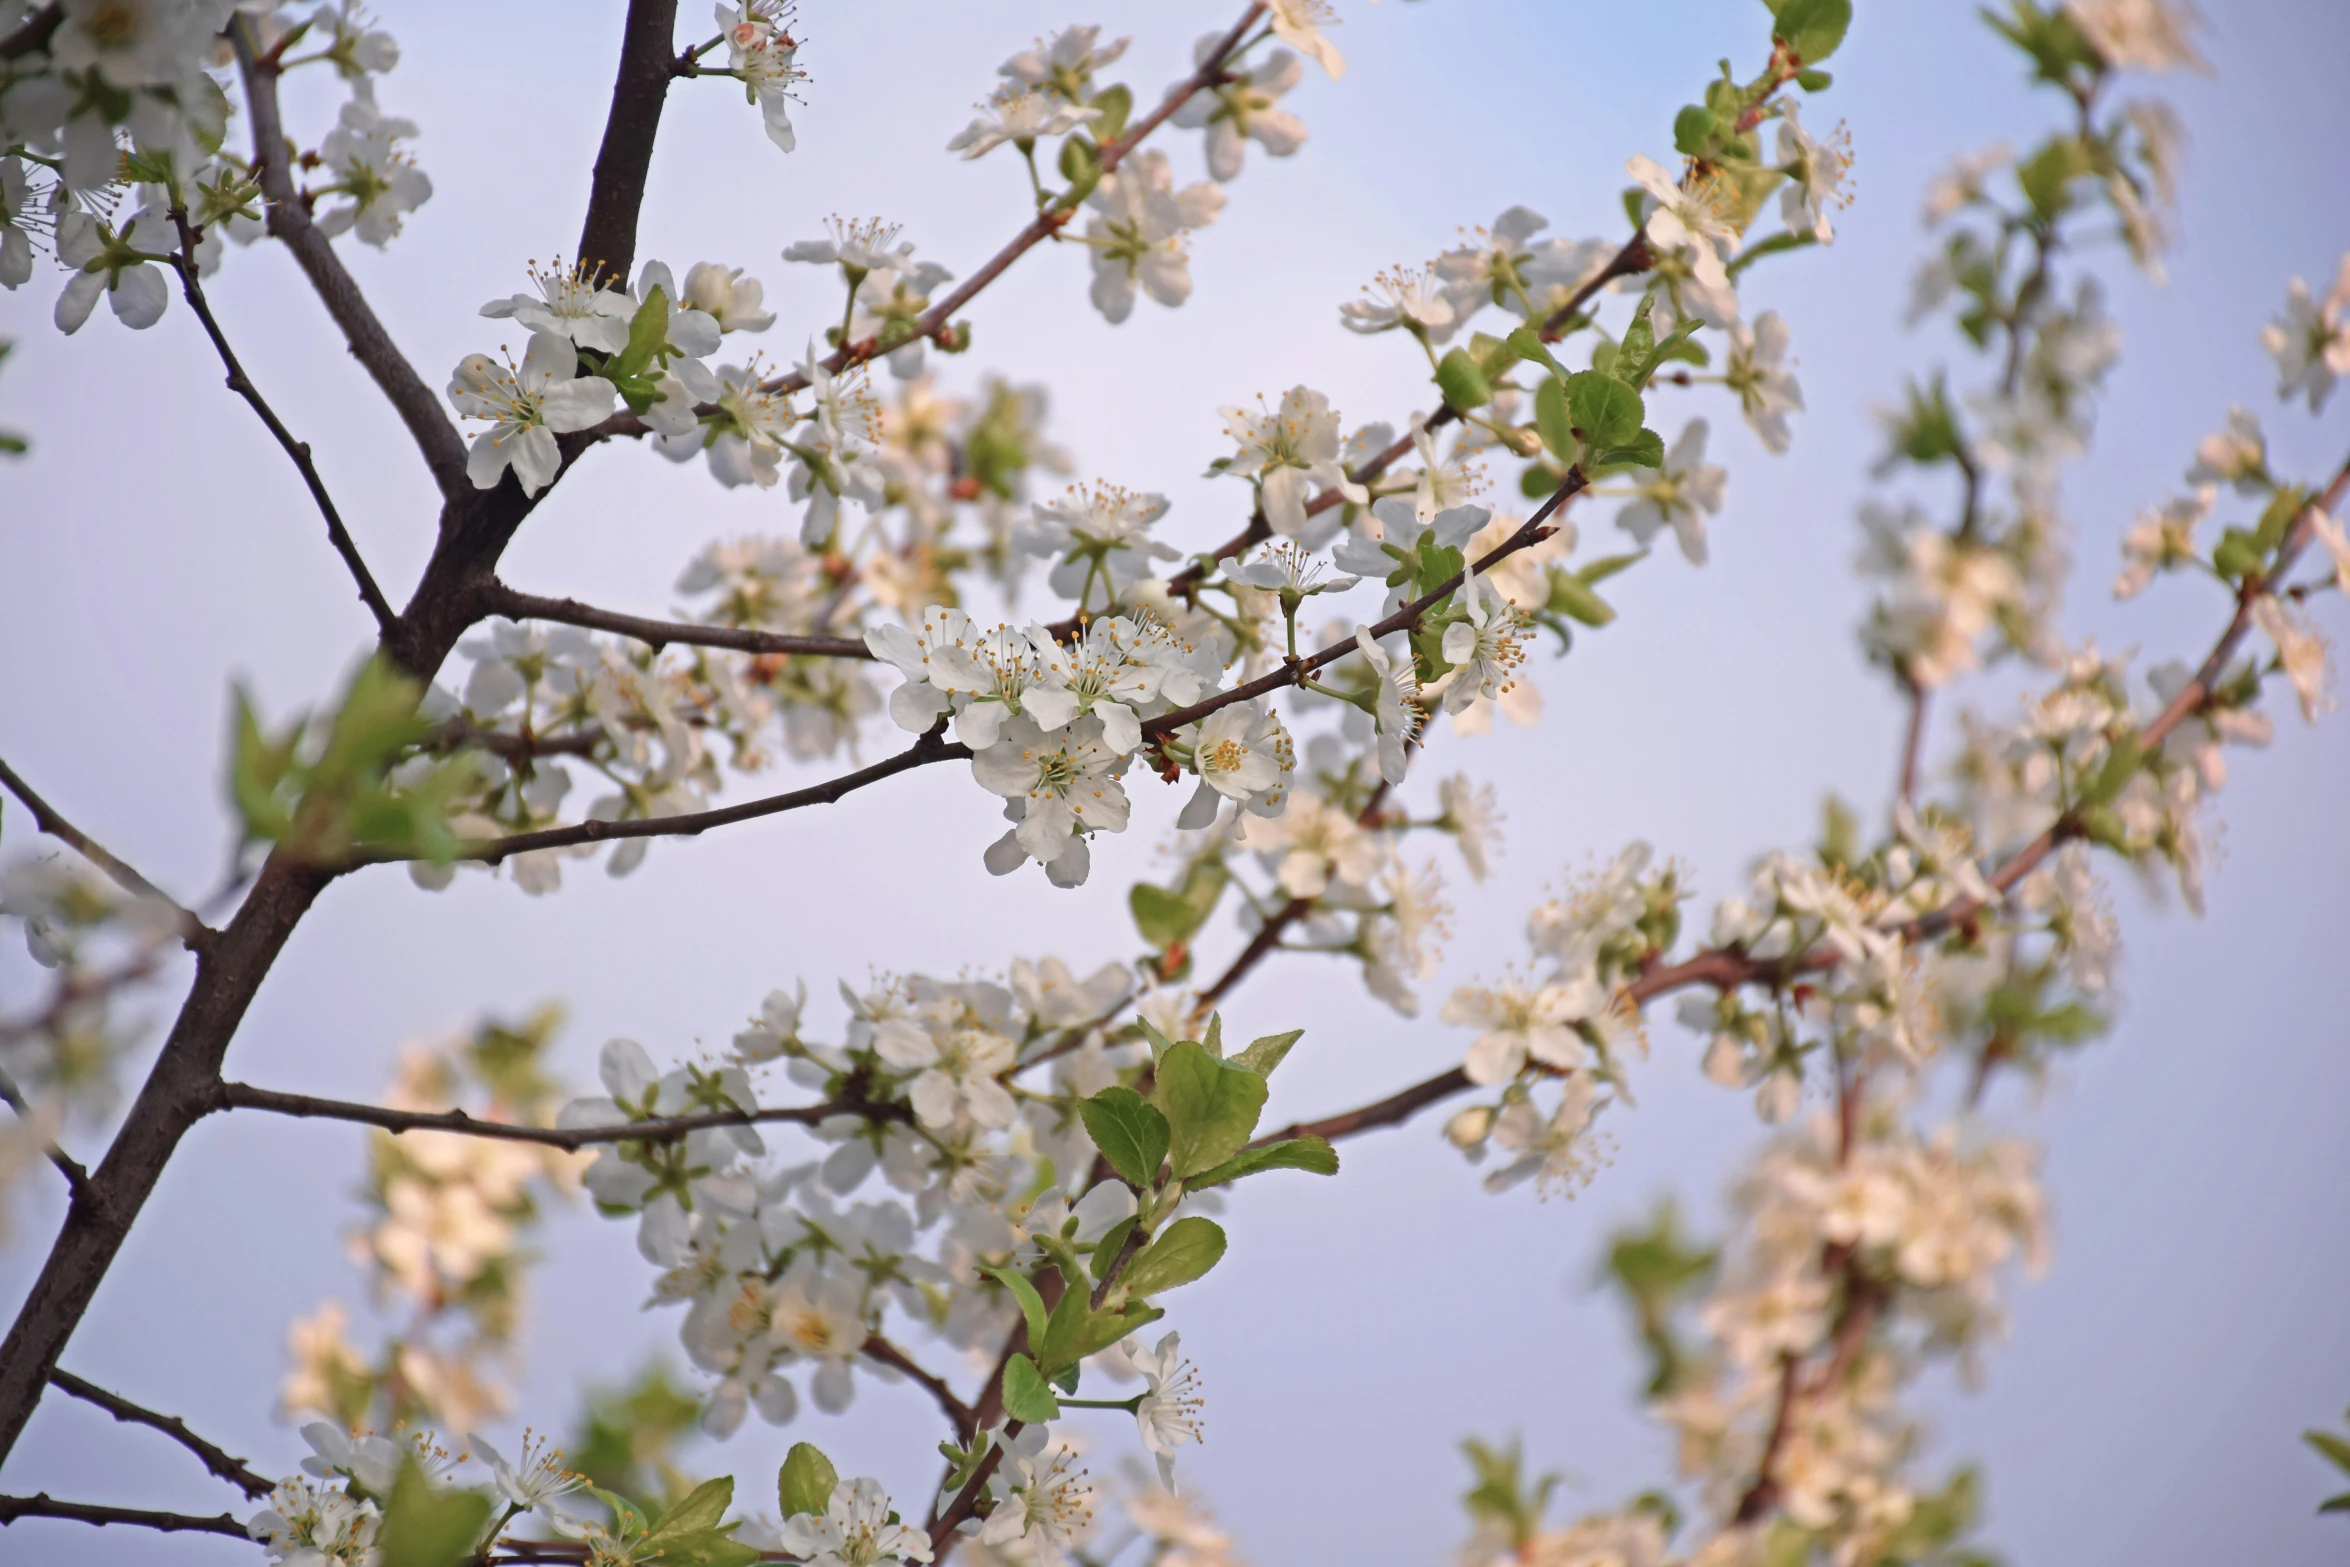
(157, 548)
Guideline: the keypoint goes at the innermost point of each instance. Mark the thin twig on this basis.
(667, 1129)
(242, 384)
(193, 931)
(503, 600)
(216, 1459)
(1913, 741)
(45, 1506)
(77, 1178)
(882, 1352)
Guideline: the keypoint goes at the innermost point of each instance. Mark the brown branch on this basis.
(1763, 1494)
(244, 1096)
(44, 1506)
(934, 322)
(1533, 531)
(289, 220)
(193, 931)
(930, 748)
(607, 236)
(503, 600)
(241, 384)
(216, 1459)
(77, 1179)
(1913, 740)
(34, 33)
(882, 1352)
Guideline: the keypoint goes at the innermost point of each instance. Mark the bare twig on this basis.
(193, 931)
(503, 600)
(244, 1096)
(242, 384)
(45, 1506)
(216, 1459)
(882, 1352)
(77, 1179)
(1913, 740)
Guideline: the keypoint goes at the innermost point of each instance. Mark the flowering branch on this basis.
(289, 220)
(244, 1096)
(1532, 532)
(193, 931)
(238, 382)
(933, 322)
(44, 1506)
(657, 634)
(215, 1459)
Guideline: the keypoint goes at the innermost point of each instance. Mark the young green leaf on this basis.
(1116, 104)
(1462, 381)
(806, 1481)
(1606, 410)
(1812, 29)
(1298, 1153)
(1187, 1249)
(1527, 344)
(1262, 1055)
(1027, 1396)
(703, 1507)
(1211, 1107)
(427, 1526)
(1130, 1133)
(1031, 1303)
(1552, 422)
(1572, 597)
(1112, 1242)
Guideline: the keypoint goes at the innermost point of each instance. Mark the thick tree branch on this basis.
(607, 236)
(193, 931)
(216, 1459)
(45, 1506)
(503, 600)
(244, 1096)
(33, 33)
(242, 384)
(289, 220)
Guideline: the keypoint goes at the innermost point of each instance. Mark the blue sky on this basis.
(2147, 1404)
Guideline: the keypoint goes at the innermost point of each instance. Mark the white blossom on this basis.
(2311, 341)
(528, 405)
(1679, 496)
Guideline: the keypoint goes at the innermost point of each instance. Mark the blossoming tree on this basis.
(994, 1190)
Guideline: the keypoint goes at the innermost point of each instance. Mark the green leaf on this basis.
(2047, 175)
(1812, 29)
(1186, 1251)
(1492, 354)
(1168, 916)
(1116, 104)
(1130, 1133)
(1027, 1396)
(426, 1526)
(1298, 1153)
(1031, 1303)
(1106, 1249)
(1461, 381)
(703, 1507)
(1607, 411)
(627, 1517)
(706, 1548)
(1211, 1107)
(1552, 424)
(1632, 351)
(2122, 762)
(1262, 1055)
(1813, 81)
(1693, 130)
(1527, 344)
(1081, 166)
(648, 334)
(1572, 597)
(806, 1481)
(1645, 450)
(1098, 1330)
(2333, 1447)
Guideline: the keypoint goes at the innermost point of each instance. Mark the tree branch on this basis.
(34, 33)
(44, 1506)
(607, 236)
(193, 931)
(934, 321)
(77, 1179)
(289, 220)
(503, 600)
(882, 1352)
(1533, 531)
(216, 1459)
(242, 384)
(930, 748)
(668, 1129)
